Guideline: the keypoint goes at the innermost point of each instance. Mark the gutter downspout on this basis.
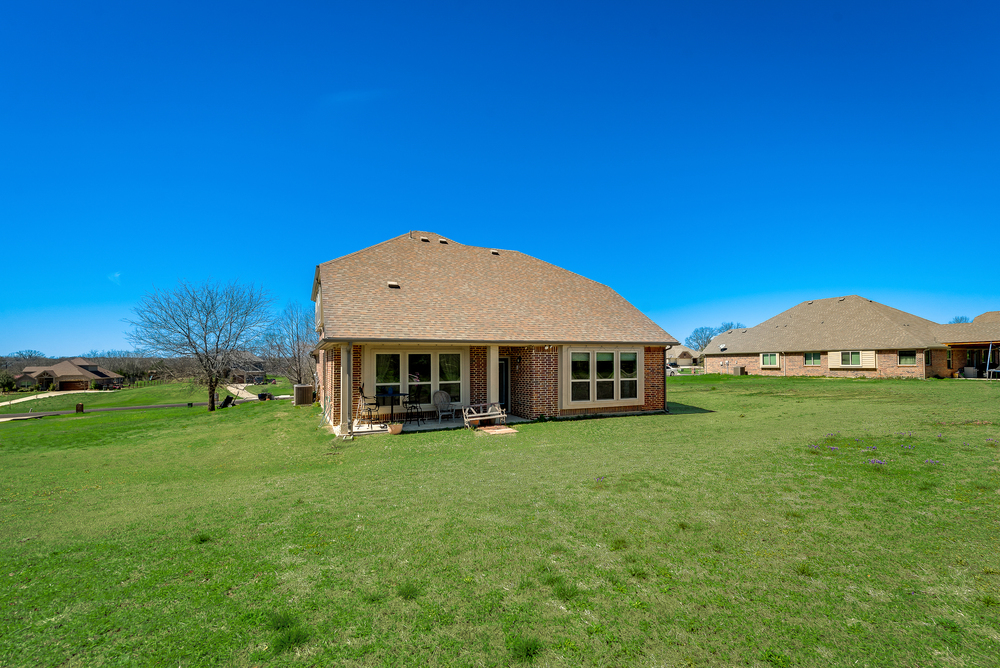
(666, 408)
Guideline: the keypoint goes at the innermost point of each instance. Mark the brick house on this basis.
(853, 337)
(421, 313)
(72, 374)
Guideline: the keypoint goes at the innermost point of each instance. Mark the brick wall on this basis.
(477, 374)
(793, 364)
(328, 372)
(654, 379)
(534, 380)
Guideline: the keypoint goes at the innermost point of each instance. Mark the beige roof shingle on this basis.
(847, 323)
(449, 292)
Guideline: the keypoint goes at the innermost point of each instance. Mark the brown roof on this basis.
(838, 323)
(449, 292)
(71, 370)
(989, 316)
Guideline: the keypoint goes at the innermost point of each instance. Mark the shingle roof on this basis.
(977, 331)
(838, 323)
(71, 369)
(452, 292)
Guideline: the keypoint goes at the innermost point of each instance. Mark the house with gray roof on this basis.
(421, 313)
(853, 336)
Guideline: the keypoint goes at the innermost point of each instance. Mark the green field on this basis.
(755, 526)
(165, 393)
(283, 387)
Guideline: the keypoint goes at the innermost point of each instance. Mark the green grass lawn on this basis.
(165, 393)
(10, 396)
(284, 386)
(767, 522)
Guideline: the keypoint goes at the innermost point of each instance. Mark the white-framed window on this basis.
(850, 358)
(417, 372)
(907, 357)
(813, 359)
(769, 360)
(601, 376)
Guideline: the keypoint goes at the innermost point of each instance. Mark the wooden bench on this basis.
(476, 413)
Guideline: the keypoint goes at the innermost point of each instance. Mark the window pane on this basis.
(907, 356)
(605, 366)
(628, 365)
(419, 368)
(605, 389)
(387, 368)
(420, 393)
(449, 368)
(581, 391)
(454, 391)
(580, 368)
(630, 389)
(927, 357)
(855, 358)
(386, 389)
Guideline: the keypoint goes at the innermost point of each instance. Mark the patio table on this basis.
(391, 396)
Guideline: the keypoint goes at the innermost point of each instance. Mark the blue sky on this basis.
(710, 161)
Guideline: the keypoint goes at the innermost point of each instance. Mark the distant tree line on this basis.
(200, 332)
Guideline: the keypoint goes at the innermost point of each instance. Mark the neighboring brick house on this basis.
(246, 368)
(420, 313)
(682, 356)
(71, 374)
(853, 337)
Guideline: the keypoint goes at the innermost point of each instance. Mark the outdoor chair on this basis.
(443, 405)
(414, 411)
(367, 408)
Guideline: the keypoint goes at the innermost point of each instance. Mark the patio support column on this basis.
(492, 374)
(346, 387)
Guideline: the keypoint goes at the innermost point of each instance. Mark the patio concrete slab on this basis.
(412, 427)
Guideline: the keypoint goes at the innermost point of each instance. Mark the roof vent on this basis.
(443, 241)
(425, 240)
(394, 285)
(842, 299)
(809, 302)
(494, 251)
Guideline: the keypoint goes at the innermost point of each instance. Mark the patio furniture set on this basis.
(472, 415)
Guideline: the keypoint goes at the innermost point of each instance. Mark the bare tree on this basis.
(287, 346)
(703, 335)
(699, 338)
(959, 319)
(205, 323)
(16, 362)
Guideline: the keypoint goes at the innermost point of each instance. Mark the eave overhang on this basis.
(330, 343)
